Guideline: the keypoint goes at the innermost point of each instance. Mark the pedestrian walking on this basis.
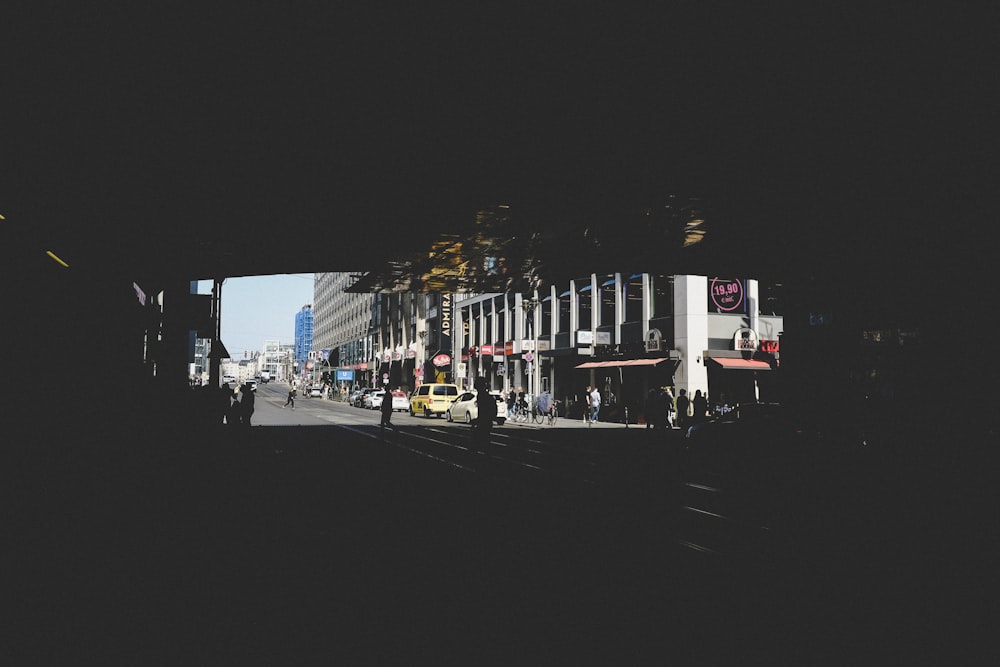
(221, 402)
(486, 407)
(699, 405)
(668, 407)
(291, 398)
(246, 403)
(234, 416)
(511, 403)
(595, 404)
(683, 402)
(386, 411)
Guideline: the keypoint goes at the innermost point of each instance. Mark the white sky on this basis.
(260, 308)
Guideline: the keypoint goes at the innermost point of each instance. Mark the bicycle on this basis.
(547, 417)
(553, 413)
(536, 415)
(521, 412)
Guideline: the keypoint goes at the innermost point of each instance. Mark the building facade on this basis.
(303, 337)
(370, 337)
(625, 334)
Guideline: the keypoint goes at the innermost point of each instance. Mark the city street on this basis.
(313, 533)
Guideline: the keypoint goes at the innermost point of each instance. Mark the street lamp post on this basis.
(529, 305)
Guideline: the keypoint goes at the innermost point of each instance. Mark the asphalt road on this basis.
(314, 535)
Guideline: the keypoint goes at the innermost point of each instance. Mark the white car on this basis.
(400, 401)
(366, 398)
(464, 408)
(316, 392)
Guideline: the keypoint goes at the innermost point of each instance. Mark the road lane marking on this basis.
(696, 547)
(702, 487)
(706, 512)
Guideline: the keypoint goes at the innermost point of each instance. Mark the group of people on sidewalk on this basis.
(661, 410)
(591, 404)
(239, 407)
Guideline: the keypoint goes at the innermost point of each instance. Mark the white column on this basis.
(595, 307)
(691, 332)
(574, 313)
(647, 304)
(619, 309)
(753, 304)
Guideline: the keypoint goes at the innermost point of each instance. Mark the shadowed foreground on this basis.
(280, 544)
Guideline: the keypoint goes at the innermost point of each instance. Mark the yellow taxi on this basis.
(432, 399)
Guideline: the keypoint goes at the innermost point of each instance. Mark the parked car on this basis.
(464, 409)
(400, 401)
(359, 401)
(353, 397)
(433, 399)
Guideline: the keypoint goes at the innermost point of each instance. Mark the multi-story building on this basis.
(381, 335)
(625, 334)
(277, 359)
(303, 337)
(342, 323)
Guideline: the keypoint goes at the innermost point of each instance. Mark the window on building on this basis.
(663, 295)
(501, 323)
(563, 304)
(586, 312)
(633, 298)
(607, 300)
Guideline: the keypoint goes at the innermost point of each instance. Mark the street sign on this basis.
(529, 357)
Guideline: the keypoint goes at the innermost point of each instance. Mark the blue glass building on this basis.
(303, 336)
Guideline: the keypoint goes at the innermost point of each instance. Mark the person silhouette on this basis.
(683, 402)
(386, 410)
(486, 407)
(234, 415)
(246, 403)
(700, 406)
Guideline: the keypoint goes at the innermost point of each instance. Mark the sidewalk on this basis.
(566, 422)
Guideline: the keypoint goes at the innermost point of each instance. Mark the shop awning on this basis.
(742, 364)
(624, 362)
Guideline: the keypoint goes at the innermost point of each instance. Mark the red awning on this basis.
(742, 364)
(629, 362)
(643, 362)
